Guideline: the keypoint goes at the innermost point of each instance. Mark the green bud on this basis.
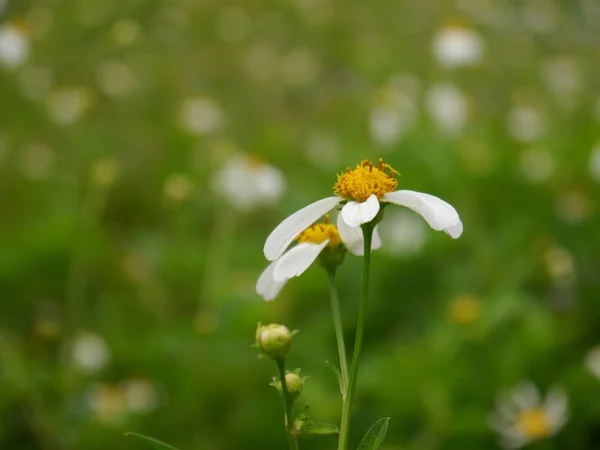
(332, 257)
(294, 383)
(274, 340)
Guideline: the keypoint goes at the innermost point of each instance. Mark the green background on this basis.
(169, 282)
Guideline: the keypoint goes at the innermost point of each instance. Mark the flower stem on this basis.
(288, 403)
(339, 331)
(367, 229)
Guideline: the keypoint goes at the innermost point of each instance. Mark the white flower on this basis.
(247, 182)
(141, 395)
(201, 115)
(522, 416)
(537, 164)
(592, 362)
(89, 352)
(448, 107)
(14, 46)
(525, 123)
(312, 241)
(457, 46)
(68, 105)
(364, 190)
(594, 162)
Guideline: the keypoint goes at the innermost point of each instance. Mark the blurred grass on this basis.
(96, 235)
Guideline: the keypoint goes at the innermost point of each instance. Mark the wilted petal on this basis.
(282, 236)
(355, 213)
(266, 286)
(439, 214)
(297, 260)
(353, 237)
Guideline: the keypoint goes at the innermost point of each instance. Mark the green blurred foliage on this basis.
(110, 223)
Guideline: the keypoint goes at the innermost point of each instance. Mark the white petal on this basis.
(297, 260)
(353, 237)
(438, 214)
(266, 286)
(286, 231)
(355, 214)
(526, 396)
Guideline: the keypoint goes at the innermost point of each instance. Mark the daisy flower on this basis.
(522, 416)
(364, 191)
(319, 240)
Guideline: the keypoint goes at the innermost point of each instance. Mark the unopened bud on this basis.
(293, 381)
(274, 340)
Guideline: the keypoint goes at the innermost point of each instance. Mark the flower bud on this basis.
(293, 381)
(274, 340)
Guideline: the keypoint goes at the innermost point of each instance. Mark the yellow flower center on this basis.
(366, 179)
(464, 309)
(534, 423)
(320, 232)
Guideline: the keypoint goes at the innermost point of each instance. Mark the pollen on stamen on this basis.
(366, 179)
(319, 233)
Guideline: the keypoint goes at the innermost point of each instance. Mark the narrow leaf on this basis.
(154, 443)
(337, 374)
(375, 435)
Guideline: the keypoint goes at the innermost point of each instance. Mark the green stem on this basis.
(289, 406)
(339, 330)
(367, 229)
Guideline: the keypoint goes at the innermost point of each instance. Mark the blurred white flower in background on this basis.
(573, 206)
(299, 66)
(35, 82)
(246, 182)
(233, 24)
(261, 63)
(107, 403)
(386, 125)
(141, 395)
(125, 32)
(592, 362)
(594, 162)
(457, 46)
(394, 112)
(563, 77)
(177, 188)
(540, 15)
(201, 115)
(522, 416)
(116, 78)
(403, 232)
(560, 264)
(537, 164)
(315, 12)
(525, 123)
(104, 172)
(448, 107)
(89, 352)
(322, 149)
(67, 105)
(14, 45)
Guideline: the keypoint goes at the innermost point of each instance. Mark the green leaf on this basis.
(322, 428)
(337, 374)
(375, 435)
(154, 443)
